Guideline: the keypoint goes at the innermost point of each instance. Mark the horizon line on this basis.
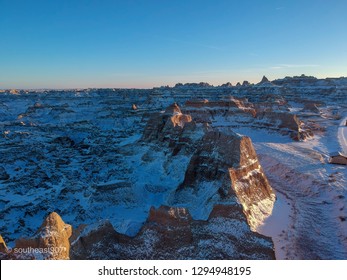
(152, 87)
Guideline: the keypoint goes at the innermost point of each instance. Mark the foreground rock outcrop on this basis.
(3, 247)
(171, 233)
(168, 233)
(51, 242)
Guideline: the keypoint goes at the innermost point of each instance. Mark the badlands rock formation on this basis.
(92, 157)
(51, 242)
(264, 80)
(222, 167)
(228, 165)
(3, 247)
(171, 233)
(52, 238)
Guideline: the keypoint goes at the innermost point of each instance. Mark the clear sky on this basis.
(146, 43)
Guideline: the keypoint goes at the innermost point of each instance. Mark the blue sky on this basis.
(146, 43)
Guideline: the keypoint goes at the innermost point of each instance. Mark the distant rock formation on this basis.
(300, 81)
(173, 109)
(286, 123)
(193, 85)
(228, 84)
(14, 91)
(205, 111)
(168, 126)
(264, 80)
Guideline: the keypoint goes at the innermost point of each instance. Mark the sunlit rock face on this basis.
(52, 239)
(51, 242)
(252, 186)
(226, 168)
(3, 247)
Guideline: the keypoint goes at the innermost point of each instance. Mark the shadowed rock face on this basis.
(312, 107)
(97, 242)
(286, 124)
(3, 174)
(264, 80)
(171, 233)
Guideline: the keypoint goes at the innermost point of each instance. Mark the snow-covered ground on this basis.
(309, 217)
(277, 224)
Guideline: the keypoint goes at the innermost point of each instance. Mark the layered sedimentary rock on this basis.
(229, 165)
(206, 111)
(222, 167)
(286, 123)
(252, 187)
(239, 112)
(171, 233)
